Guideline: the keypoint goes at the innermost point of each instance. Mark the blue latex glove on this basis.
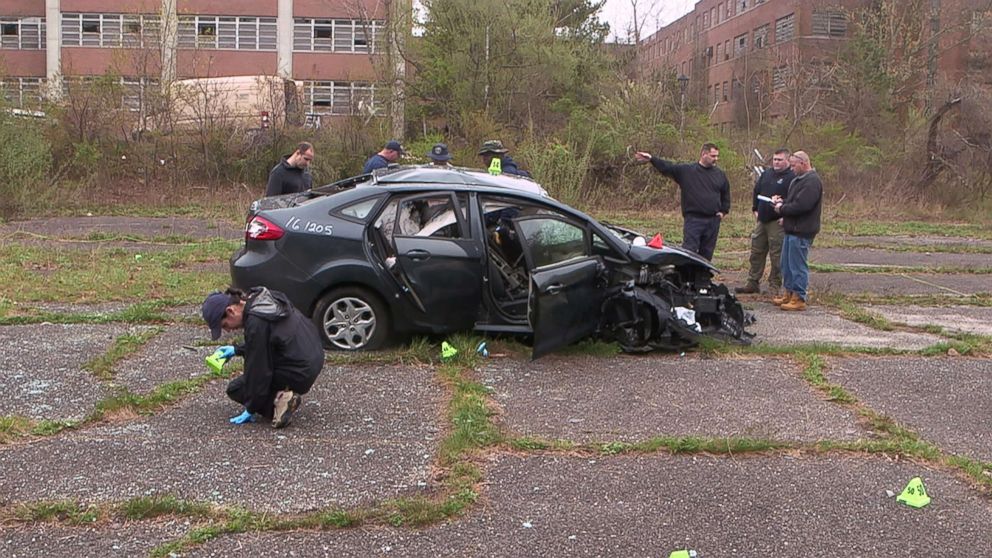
(244, 417)
(225, 352)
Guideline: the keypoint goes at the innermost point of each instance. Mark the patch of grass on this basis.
(197, 536)
(64, 511)
(691, 444)
(813, 373)
(528, 443)
(469, 413)
(13, 427)
(103, 366)
(161, 396)
(828, 241)
(858, 313)
(931, 300)
(35, 274)
(148, 507)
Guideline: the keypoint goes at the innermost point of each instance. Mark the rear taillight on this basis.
(260, 228)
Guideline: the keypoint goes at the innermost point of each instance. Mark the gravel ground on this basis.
(969, 319)
(631, 398)
(169, 356)
(648, 506)
(363, 434)
(59, 541)
(41, 368)
(818, 325)
(946, 400)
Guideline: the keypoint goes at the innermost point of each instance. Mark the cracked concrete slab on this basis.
(945, 400)
(652, 505)
(967, 319)
(877, 257)
(885, 284)
(363, 434)
(123, 540)
(819, 325)
(636, 397)
(41, 368)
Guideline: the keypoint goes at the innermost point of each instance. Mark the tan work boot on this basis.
(285, 404)
(782, 298)
(796, 304)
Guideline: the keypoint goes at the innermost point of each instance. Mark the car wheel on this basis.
(352, 319)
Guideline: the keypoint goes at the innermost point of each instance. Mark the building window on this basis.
(22, 92)
(725, 91)
(737, 89)
(779, 77)
(740, 45)
(829, 23)
(706, 20)
(719, 13)
(741, 5)
(22, 33)
(336, 35)
(110, 30)
(785, 28)
(228, 33)
(761, 36)
(726, 50)
(340, 98)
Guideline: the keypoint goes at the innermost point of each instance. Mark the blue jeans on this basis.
(795, 264)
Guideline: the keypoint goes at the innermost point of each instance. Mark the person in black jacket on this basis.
(766, 239)
(705, 196)
(292, 174)
(800, 211)
(282, 349)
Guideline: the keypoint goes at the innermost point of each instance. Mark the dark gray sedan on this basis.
(437, 250)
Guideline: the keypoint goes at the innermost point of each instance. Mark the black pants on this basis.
(237, 390)
(699, 234)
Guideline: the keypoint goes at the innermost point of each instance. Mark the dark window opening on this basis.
(206, 29)
(9, 29)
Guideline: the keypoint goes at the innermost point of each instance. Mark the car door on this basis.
(566, 291)
(438, 260)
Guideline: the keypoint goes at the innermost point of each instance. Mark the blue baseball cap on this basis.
(214, 307)
(394, 145)
(439, 152)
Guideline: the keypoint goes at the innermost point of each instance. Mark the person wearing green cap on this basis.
(492, 149)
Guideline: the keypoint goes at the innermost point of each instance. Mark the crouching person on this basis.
(283, 351)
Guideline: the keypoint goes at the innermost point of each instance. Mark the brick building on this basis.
(329, 46)
(741, 56)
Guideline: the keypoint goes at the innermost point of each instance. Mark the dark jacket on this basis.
(282, 346)
(705, 191)
(801, 209)
(509, 166)
(287, 179)
(770, 183)
(375, 162)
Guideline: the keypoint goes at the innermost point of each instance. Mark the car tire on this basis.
(352, 319)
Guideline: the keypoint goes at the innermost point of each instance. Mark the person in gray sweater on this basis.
(800, 211)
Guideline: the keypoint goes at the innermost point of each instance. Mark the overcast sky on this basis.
(620, 14)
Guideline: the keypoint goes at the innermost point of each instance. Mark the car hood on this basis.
(666, 255)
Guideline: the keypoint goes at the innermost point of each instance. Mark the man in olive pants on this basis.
(766, 239)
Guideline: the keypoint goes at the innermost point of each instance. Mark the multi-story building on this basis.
(331, 47)
(735, 56)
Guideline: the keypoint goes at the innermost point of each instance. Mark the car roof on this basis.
(396, 175)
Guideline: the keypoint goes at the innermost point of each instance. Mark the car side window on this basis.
(431, 216)
(550, 241)
(359, 210)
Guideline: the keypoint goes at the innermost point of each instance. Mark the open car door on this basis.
(566, 293)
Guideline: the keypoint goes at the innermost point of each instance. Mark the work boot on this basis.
(285, 404)
(782, 298)
(794, 305)
(749, 288)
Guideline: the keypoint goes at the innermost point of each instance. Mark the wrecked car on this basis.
(435, 250)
